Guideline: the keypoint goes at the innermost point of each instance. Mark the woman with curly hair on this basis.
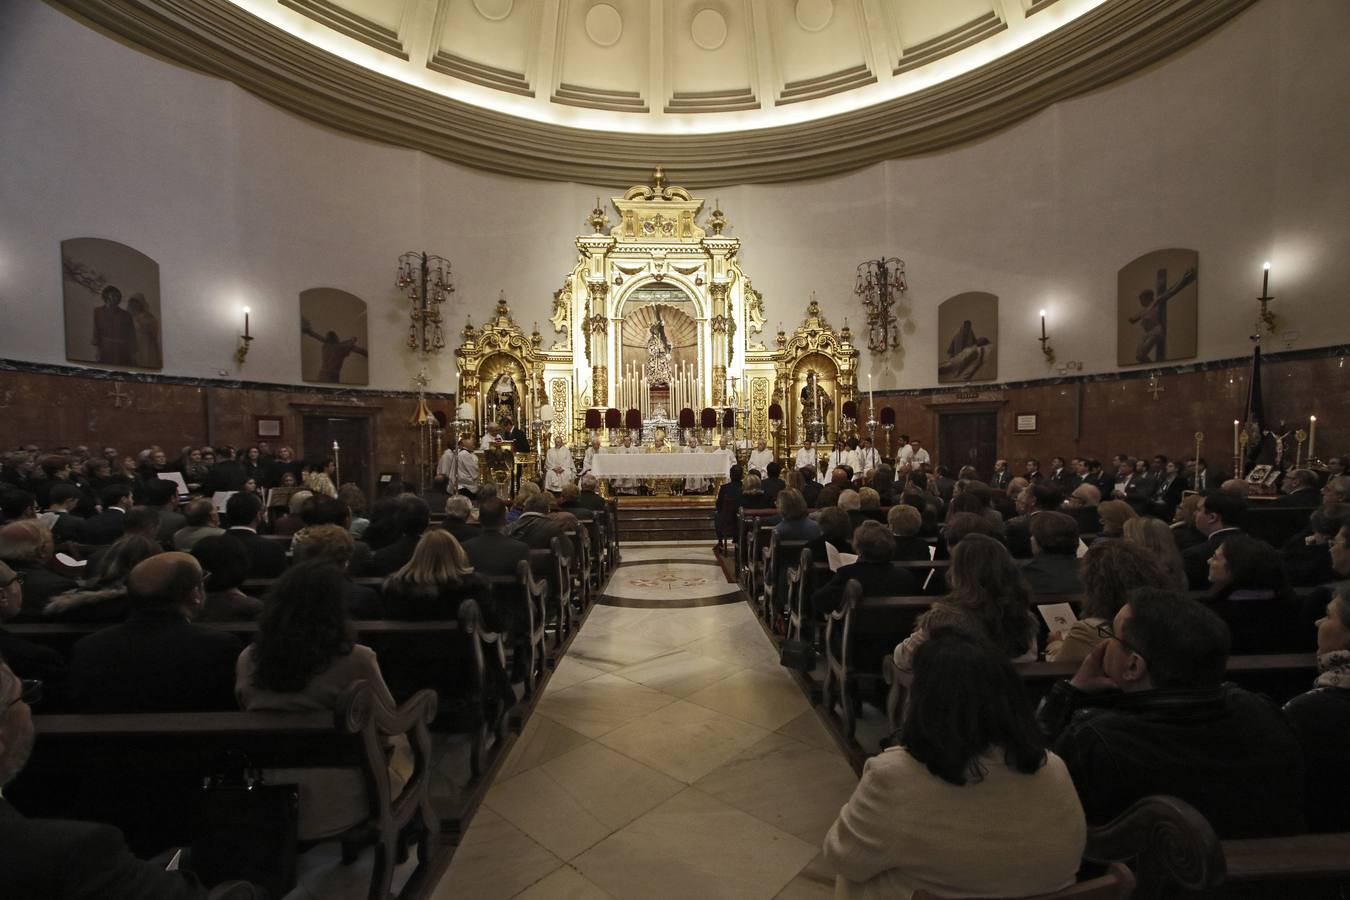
(1111, 571)
(304, 657)
(104, 598)
(989, 598)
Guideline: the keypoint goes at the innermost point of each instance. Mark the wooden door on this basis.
(352, 435)
(968, 439)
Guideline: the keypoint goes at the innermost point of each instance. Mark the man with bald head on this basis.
(157, 660)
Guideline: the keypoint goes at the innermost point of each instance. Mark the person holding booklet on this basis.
(1111, 571)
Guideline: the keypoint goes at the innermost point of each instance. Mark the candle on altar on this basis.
(1265, 280)
(1312, 438)
(871, 397)
(1237, 449)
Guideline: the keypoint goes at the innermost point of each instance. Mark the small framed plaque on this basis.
(267, 426)
(1027, 422)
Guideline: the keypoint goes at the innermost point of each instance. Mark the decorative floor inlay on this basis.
(669, 584)
(670, 757)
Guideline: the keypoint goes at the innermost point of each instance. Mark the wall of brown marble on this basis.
(1099, 418)
(52, 410)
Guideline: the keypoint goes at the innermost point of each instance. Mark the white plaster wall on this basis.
(1236, 147)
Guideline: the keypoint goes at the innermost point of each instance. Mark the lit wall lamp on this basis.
(1045, 343)
(241, 352)
(1266, 318)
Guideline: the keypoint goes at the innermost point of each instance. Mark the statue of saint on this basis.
(816, 403)
(502, 397)
(658, 369)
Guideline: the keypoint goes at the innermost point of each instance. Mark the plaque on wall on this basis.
(1027, 423)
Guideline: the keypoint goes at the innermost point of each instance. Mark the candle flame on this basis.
(1266, 267)
(247, 310)
(1042, 314)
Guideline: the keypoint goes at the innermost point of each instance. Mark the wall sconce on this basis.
(1045, 343)
(1266, 317)
(426, 281)
(241, 352)
(880, 283)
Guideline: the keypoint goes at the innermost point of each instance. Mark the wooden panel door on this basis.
(353, 438)
(968, 439)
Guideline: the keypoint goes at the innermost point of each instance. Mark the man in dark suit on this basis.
(999, 480)
(1033, 501)
(162, 496)
(413, 517)
(810, 487)
(1062, 476)
(874, 570)
(108, 525)
(157, 661)
(53, 858)
(226, 475)
(243, 515)
(772, 484)
(27, 659)
(1167, 493)
(1217, 519)
(456, 521)
(1301, 491)
(64, 523)
(516, 435)
(1053, 567)
(1033, 471)
(569, 500)
(26, 547)
(587, 497)
(535, 526)
(492, 552)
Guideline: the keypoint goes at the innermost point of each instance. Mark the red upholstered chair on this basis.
(707, 418)
(728, 418)
(775, 412)
(686, 418)
(849, 409)
(633, 420)
(887, 416)
(592, 422)
(613, 418)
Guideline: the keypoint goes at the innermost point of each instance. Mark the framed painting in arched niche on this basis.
(111, 298)
(968, 338)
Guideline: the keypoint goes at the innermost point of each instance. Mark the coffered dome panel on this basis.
(719, 90)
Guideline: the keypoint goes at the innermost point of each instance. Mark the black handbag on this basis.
(249, 830)
(800, 655)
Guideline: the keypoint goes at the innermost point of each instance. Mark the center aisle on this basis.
(669, 757)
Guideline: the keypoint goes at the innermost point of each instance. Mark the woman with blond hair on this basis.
(432, 584)
(1111, 570)
(1155, 537)
(1114, 514)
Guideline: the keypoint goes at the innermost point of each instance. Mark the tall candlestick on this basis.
(1237, 452)
(1312, 438)
(871, 398)
(1265, 280)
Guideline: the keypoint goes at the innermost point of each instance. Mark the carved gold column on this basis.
(720, 351)
(597, 341)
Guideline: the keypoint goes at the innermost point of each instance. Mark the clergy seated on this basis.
(970, 804)
(559, 469)
(1148, 712)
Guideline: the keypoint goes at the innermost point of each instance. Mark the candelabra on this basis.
(543, 420)
(426, 280)
(879, 284)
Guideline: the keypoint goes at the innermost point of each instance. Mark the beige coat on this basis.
(904, 828)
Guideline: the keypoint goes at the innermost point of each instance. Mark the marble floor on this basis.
(670, 756)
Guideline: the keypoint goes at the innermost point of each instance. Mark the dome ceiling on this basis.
(717, 90)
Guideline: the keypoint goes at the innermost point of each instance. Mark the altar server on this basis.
(760, 458)
(591, 452)
(460, 466)
(842, 456)
(695, 484)
(868, 457)
(807, 458)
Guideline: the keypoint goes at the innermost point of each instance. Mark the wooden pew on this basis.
(187, 747)
(1305, 866)
(526, 596)
(779, 556)
(459, 658)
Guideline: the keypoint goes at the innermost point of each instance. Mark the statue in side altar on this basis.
(658, 369)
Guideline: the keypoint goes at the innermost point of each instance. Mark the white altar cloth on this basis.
(661, 465)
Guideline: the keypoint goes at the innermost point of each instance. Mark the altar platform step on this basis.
(666, 519)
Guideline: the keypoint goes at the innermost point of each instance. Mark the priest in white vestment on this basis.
(807, 458)
(760, 458)
(842, 456)
(695, 484)
(868, 457)
(625, 485)
(460, 465)
(591, 452)
(558, 467)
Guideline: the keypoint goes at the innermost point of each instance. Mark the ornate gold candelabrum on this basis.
(426, 281)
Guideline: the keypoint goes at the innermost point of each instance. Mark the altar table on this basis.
(661, 465)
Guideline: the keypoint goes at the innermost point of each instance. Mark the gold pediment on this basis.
(657, 212)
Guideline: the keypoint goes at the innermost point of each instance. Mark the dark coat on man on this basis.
(461, 530)
(1321, 719)
(810, 492)
(106, 527)
(1303, 498)
(68, 527)
(226, 475)
(40, 585)
(266, 558)
(877, 579)
(771, 487)
(494, 553)
(1196, 558)
(155, 661)
(1066, 480)
(1227, 752)
(727, 503)
(46, 858)
(1053, 573)
(591, 500)
(29, 660)
(391, 557)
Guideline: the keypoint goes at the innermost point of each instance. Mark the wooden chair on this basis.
(1117, 884)
(802, 581)
(103, 748)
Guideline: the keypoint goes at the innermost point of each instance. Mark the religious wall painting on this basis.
(968, 338)
(112, 304)
(334, 344)
(1158, 307)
